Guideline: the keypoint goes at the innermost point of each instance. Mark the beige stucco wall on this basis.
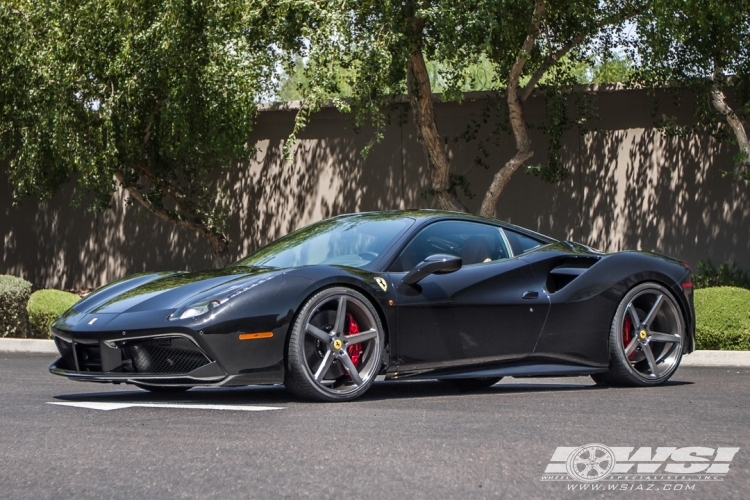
(630, 187)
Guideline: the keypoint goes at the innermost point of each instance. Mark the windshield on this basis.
(353, 241)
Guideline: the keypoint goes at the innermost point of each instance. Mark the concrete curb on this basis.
(28, 345)
(698, 358)
(717, 358)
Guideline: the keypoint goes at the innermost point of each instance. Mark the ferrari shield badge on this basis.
(382, 283)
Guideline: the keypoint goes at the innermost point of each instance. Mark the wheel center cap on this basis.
(337, 344)
(642, 335)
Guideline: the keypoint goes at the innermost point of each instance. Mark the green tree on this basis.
(535, 43)
(477, 77)
(612, 68)
(291, 80)
(701, 45)
(386, 47)
(373, 49)
(154, 96)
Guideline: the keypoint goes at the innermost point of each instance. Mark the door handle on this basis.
(530, 295)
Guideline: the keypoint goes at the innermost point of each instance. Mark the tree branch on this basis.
(172, 192)
(548, 63)
(719, 101)
(218, 241)
(150, 123)
(555, 57)
(515, 116)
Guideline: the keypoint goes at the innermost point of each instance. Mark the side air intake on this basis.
(564, 273)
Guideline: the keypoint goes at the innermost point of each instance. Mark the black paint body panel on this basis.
(508, 316)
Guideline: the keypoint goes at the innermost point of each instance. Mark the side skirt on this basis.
(526, 370)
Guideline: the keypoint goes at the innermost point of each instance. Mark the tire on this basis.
(164, 389)
(600, 378)
(335, 347)
(646, 338)
(471, 384)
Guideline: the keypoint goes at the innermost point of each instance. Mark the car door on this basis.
(492, 309)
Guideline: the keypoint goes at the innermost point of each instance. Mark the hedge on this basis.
(722, 318)
(45, 306)
(14, 295)
(728, 274)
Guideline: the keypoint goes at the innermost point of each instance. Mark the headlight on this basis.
(205, 306)
(198, 309)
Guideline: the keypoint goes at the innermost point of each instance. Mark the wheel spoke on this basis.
(340, 316)
(651, 361)
(358, 338)
(325, 365)
(634, 315)
(353, 373)
(665, 337)
(318, 333)
(631, 346)
(655, 309)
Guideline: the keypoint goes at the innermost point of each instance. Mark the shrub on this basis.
(45, 306)
(14, 295)
(722, 318)
(728, 274)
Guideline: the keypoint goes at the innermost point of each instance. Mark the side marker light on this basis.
(253, 336)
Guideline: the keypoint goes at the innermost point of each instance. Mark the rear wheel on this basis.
(335, 347)
(646, 338)
(471, 384)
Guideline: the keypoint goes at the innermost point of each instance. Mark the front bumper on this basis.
(162, 359)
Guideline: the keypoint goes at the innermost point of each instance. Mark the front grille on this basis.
(164, 355)
(167, 355)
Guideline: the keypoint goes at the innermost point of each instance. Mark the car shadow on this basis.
(386, 390)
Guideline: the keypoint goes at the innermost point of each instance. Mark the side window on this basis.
(474, 242)
(520, 243)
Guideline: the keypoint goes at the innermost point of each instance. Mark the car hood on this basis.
(163, 291)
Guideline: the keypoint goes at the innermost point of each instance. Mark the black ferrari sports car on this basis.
(403, 294)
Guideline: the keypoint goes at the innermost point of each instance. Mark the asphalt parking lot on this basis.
(402, 440)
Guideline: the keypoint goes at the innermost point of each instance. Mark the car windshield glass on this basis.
(352, 241)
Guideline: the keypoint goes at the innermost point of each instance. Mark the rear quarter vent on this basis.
(567, 271)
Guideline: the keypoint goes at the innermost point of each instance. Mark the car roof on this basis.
(425, 214)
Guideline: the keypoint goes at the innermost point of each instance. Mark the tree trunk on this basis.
(517, 122)
(719, 101)
(420, 95)
(219, 247)
(523, 152)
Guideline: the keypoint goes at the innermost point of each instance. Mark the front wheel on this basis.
(335, 347)
(646, 338)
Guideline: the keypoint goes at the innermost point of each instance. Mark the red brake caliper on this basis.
(627, 333)
(354, 351)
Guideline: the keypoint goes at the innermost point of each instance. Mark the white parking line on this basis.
(121, 406)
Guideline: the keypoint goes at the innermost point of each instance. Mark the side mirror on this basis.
(434, 264)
